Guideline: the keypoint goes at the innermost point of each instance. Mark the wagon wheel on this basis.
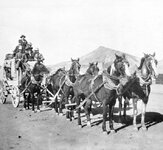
(3, 95)
(15, 97)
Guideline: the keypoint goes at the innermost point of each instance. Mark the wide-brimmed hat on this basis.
(22, 36)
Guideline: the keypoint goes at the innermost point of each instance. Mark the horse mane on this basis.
(58, 70)
(109, 69)
(71, 70)
(141, 63)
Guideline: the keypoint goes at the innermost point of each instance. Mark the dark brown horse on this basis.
(53, 83)
(90, 73)
(62, 81)
(141, 88)
(101, 88)
(31, 85)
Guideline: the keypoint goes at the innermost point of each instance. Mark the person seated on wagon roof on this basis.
(23, 42)
(17, 48)
(29, 51)
(38, 56)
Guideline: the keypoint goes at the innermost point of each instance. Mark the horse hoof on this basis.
(60, 114)
(112, 131)
(89, 124)
(38, 110)
(105, 132)
(144, 128)
(80, 126)
(135, 128)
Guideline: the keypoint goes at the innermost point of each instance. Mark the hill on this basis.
(100, 55)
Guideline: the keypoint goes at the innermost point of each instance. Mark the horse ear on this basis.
(145, 55)
(96, 63)
(78, 59)
(154, 54)
(72, 59)
(116, 55)
(123, 55)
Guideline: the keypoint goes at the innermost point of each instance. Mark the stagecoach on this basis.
(9, 85)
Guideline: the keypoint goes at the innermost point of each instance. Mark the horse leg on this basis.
(135, 112)
(124, 111)
(143, 116)
(25, 100)
(38, 99)
(66, 92)
(111, 108)
(120, 109)
(104, 118)
(78, 112)
(28, 98)
(87, 109)
(33, 101)
(60, 105)
(56, 105)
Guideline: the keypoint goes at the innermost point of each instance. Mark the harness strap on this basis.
(91, 86)
(85, 100)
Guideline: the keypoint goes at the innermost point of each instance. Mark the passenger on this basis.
(29, 51)
(23, 42)
(38, 56)
(17, 48)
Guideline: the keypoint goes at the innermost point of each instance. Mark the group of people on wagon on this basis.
(22, 53)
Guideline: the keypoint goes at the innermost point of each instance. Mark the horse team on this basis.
(116, 82)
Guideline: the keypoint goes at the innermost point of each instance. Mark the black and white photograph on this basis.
(81, 74)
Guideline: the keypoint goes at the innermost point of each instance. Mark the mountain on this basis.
(100, 55)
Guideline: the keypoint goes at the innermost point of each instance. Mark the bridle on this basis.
(75, 69)
(120, 66)
(148, 65)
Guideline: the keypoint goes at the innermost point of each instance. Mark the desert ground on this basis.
(24, 130)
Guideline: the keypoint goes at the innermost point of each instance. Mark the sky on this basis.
(65, 29)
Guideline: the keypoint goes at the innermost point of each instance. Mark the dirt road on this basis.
(25, 130)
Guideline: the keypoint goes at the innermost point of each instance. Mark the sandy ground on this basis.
(24, 130)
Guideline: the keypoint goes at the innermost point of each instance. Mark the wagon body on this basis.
(9, 85)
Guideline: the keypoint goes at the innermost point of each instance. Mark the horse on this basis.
(91, 72)
(68, 80)
(94, 88)
(57, 82)
(141, 89)
(31, 85)
(53, 85)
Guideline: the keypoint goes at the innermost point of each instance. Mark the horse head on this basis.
(75, 67)
(149, 66)
(39, 70)
(93, 69)
(120, 66)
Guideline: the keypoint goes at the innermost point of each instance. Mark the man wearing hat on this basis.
(23, 42)
(29, 51)
(17, 48)
(38, 56)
